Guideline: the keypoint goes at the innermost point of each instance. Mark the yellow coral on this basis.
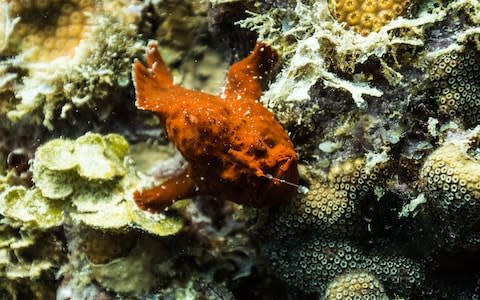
(49, 29)
(73, 53)
(124, 10)
(355, 285)
(331, 203)
(366, 16)
(450, 178)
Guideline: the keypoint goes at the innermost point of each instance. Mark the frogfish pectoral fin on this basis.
(158, 198)
(151, 81)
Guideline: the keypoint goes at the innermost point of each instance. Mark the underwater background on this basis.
(381, 100)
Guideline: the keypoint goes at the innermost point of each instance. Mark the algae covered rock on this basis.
(135, 273)
(76, 56)
(93, 178)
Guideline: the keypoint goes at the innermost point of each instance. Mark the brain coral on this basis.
(366, 16)
(451, 179)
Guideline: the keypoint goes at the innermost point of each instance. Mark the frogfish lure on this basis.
(235, 148)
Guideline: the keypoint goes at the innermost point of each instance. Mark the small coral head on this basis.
(366, 16)
(234, 146)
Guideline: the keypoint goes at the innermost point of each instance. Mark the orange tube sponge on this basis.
(235, 147)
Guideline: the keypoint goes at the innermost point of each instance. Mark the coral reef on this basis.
(332, 203)
(66, 24)
(312, 262)
(87, 181)
(31, 244)
(91, 177)
(28, 262)
(398, 99)
(379, 99)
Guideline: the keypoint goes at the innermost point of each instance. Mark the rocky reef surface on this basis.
(380, 98)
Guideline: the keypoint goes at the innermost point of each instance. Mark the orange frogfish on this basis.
(235, 148)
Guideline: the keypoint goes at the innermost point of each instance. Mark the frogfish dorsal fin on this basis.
(153, 81)
(244, 77)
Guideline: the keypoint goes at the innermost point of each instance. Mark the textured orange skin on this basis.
(235, 148)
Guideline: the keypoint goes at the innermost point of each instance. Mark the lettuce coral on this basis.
(28, 261)
(84, 183)
(92, 177)
(30, 247)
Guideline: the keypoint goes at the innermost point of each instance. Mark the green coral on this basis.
(91, 180)
(29, 209)
(28, 258)
(84, 183)
(92, 176)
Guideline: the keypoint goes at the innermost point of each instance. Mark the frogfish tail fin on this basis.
(150, 80)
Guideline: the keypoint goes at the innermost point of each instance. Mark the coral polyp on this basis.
(454, 85)
(366, 16)
(332, 202)
(451, 180)
(355, 285)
